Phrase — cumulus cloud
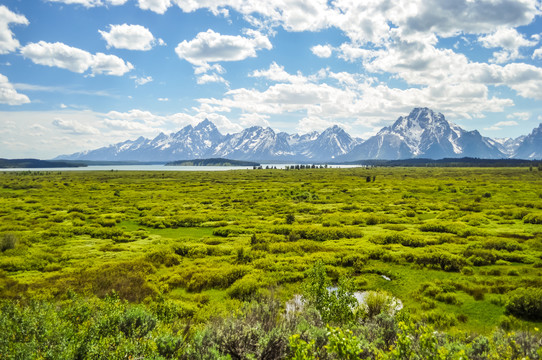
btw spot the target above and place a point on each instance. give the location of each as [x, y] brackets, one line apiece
[359, 100]
[74, 59]
[7, 41]
[8, 94]
[248, 120]
[537, 54]
[278, 74]
[211, 78]
[109, 65]
[506, 38]
[372, 21]
[206, 68]
[75, 127]
[323, 51]
[510, 40]
[130, 37]
[158, 6]
[137, 115]
[211, 46]
[142, 80]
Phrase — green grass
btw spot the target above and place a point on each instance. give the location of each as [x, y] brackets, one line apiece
[189, 236]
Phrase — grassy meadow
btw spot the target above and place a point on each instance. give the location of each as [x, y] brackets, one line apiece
[172, 255]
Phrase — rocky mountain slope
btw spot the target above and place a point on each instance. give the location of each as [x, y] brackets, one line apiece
[421, 134]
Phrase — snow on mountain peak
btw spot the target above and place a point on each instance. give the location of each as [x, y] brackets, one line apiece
[422, 133]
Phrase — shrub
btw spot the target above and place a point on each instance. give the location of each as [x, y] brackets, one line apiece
[533, 218]
[164, 257]
[525, 303]
[399, 238]
[244, 288]
[137, 322]
[334, 305]
[446, 261]
[377, 302]
[8, 241]
[447, 298]
[127, 279]
[290, 218]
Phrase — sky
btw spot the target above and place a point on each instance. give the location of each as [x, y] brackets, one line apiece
[80, 74]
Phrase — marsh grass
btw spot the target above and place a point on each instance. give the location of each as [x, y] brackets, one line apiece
[209, 241]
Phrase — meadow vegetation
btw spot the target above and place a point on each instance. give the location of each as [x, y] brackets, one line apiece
[265, 264]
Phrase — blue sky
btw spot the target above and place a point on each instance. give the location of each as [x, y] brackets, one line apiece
[81, 74]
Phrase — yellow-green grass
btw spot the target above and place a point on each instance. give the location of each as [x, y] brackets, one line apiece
[198, 237]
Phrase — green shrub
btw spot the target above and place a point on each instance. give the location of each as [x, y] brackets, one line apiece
[377, 302]
[137, 322]
[400, 238]
[164, 257]
[8, 241]
[244, 288]
[447, 298]
[525, 303]
[334, 305]
[533, 218]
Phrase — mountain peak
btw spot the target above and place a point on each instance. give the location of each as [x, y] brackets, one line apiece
[206, 124]
[421, 133]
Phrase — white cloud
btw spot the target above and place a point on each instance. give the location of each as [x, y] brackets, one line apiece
[206, 68]
[358, 99]
[537, 54]
[506, 38]
[59, 55]
[158, 6]
[137, 115]
[248, 120]
[509, 40]
[142, 80]
[74, 59]
[420, 63]
[372, 21]
[278, 74]
[8, 94]
[211, 46]
[314, 123]
[211, 78]
[75, 127]
[500, 124]
[323, 51]
[91, 3]
[130, 37]
[7, 42]
[109, 65]
[519, 115]
[61, 89]
[163, 99]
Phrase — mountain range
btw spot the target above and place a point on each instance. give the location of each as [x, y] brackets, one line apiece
[422, 134]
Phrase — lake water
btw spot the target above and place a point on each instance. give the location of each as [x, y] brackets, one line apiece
[162, 168]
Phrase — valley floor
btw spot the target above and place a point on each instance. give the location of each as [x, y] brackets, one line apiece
[460, 247]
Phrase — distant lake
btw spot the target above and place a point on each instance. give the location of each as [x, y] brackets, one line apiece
[162, 168]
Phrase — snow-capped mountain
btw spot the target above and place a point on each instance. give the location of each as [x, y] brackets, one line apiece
[531, 146]
[253, 143]
[421, 134]
[332, 142]
[424, 134]
[189, 142]
[508, 146]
